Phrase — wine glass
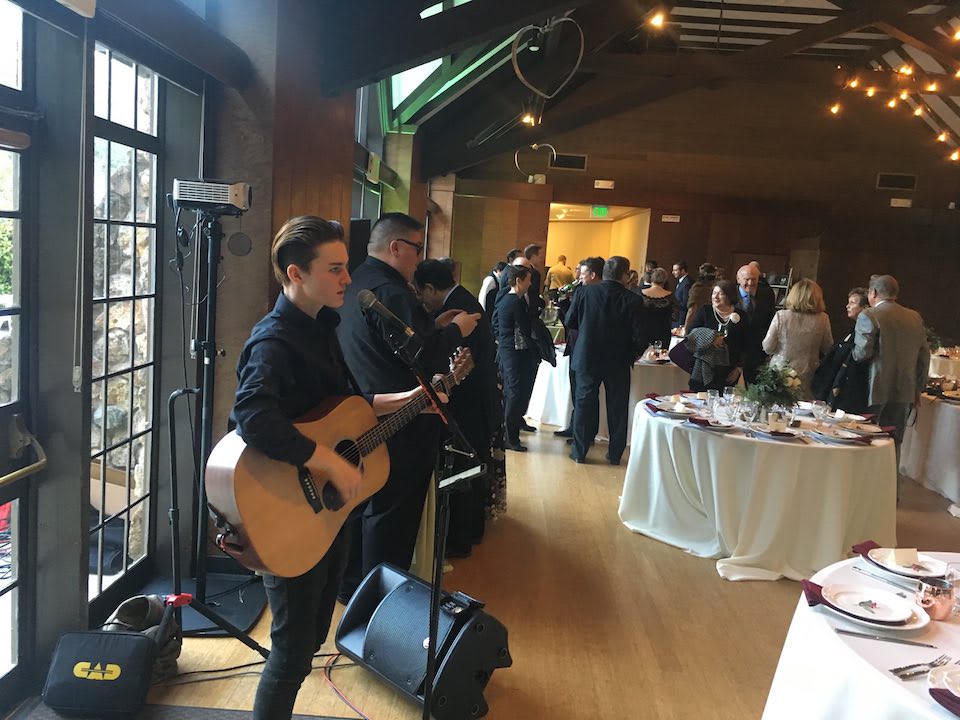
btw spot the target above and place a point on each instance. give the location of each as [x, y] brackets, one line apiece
[820, 411]
[657, 349]
[749, 410]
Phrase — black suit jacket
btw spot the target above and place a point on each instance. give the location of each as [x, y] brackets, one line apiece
[606, 317]
[476, 401]
[758, 319]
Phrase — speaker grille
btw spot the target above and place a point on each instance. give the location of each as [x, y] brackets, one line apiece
[566, 161]
[394, 645]
[896, 181]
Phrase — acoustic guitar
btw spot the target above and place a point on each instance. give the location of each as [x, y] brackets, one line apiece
[278, 518]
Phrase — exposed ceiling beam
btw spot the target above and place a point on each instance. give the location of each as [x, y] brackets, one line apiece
[369, 40]
[947, 12]
[560, 119]
[669, 65]
[922, 36]
[183, 33]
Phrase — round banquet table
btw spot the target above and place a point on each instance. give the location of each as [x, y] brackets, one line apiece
[765, 509]
[930, 453]
[944, 366]
[550, 401]
[838, 677]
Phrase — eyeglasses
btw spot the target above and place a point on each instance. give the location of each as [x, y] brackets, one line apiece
[417, 246]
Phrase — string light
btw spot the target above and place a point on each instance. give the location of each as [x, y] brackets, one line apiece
[904, 94]
[905, 70]
[871, 91]
[932, 87]
[854, 83]
[918, 112]
[955, 155]
[956, 35]
[528, 119]
[657, 20]
[892, 103]
[835, 109]
[942, 137]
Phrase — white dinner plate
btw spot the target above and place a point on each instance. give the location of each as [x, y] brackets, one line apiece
[839, 436]
[714, 426]
[862, 428]
[919, 619]
[945, 677]
[927, 567]
[846, 417]
[804, 407]
[671, 410]
[869, 603]
[768, 434]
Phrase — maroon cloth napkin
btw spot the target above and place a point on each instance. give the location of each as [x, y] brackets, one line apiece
[866, 546]
[699, 421]
[947, 699]
[651, 408]
[651, 396]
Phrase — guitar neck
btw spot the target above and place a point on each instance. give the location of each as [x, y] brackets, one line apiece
[390, 426]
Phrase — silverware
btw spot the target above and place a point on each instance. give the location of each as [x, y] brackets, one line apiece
[884, 638]
[902, 668]
[923, 671]
[905, 585]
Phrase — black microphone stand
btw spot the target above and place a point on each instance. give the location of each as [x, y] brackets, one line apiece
[407, 348]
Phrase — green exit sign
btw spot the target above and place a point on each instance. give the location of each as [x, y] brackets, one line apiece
[600, 211]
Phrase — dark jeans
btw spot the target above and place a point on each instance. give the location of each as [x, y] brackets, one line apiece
[387, 526]
[586, 417]
[301, 608]
[517, 369]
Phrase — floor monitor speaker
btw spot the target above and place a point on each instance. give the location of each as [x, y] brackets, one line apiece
[385, 628]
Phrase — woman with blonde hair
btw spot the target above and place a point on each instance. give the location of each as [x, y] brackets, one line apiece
[800, 333]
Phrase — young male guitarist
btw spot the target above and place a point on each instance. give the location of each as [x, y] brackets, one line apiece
[291, 362]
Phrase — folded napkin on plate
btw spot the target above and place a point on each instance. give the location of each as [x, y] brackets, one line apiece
[651, 408]
[698, 421]
[812, 591]
[866, 546]
[651, 396]
[947, 699]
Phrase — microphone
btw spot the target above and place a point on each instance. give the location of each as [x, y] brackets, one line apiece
[368, 301]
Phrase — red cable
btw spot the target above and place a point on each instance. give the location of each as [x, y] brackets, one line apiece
[327, 670]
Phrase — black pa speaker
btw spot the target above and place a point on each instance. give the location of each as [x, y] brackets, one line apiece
[386, 628]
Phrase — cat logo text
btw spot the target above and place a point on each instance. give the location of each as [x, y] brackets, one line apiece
[86, 671]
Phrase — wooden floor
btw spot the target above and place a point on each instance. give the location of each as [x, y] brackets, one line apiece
[603, 623]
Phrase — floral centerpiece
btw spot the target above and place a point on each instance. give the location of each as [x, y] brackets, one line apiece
[775, 386]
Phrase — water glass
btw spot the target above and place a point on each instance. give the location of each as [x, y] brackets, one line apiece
[820, 411]
[952, 576]
[657, 346]
[713, 396]
[749, 410]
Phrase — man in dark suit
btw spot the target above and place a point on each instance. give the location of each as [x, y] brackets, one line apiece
[893, 340]
[386, 530]
[591, 271]
[606, 316]
[476, 404]
[681, 293]
[759, 309]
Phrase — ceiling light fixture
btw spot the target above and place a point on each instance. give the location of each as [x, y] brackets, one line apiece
[657, 20]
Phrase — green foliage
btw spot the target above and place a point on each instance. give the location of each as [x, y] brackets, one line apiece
[6, 257]
[775, 386]
[933, 340]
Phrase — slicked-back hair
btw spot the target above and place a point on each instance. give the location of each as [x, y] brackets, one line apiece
[682, 264]
[885, 286]
[390, 227]
[594, 265]
[515, 273]
[531, 251]
[615, 268]
[433, 272]
[297, 241]
[512, 255]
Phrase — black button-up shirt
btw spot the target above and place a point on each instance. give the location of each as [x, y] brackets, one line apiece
[289, 365]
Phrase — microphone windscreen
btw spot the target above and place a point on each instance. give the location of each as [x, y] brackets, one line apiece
[367, 299]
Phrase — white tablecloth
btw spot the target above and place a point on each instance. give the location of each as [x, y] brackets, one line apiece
[825, 676]
[931, 449]
[766, 509]
[550, 402]
[944, 366]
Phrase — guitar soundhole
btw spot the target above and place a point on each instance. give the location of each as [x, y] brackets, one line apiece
[348, 450]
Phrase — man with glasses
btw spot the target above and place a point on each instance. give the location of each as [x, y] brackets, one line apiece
[386, 529]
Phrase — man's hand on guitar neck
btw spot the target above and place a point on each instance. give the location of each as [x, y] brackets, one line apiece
[387, 403]
[344, 475]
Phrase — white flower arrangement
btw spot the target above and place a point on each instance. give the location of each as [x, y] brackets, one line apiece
[775, 386]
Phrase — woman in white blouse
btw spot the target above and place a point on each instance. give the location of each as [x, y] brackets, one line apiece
[800, 334]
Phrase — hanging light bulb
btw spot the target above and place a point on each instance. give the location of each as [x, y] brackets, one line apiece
[835, 109]
[892, 103]
[942, 137]
[657, 20]
[918, 112]
[905, 70]
[955, 155]
[932, 87]
[855, 83]
[871, 91]
[904, 94]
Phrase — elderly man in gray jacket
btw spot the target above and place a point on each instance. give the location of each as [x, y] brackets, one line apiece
[892, 338]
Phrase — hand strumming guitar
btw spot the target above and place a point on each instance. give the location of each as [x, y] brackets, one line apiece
[344, 475]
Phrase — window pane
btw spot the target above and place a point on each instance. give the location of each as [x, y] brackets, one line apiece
[97, 411]
[101, 82]
[146, 186]
[146, 100]
[118, 335]
[140, 471]
[144, 279]
[118, 411]
[120, 253]
[139, 522]
[99, 261]
[143, 331]
[8, 546]
[9, 179]
[100, 178]
[121, 182]
[142, 398]
[11, 45]
[9, 358]
[9, 262]
[123, 85]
